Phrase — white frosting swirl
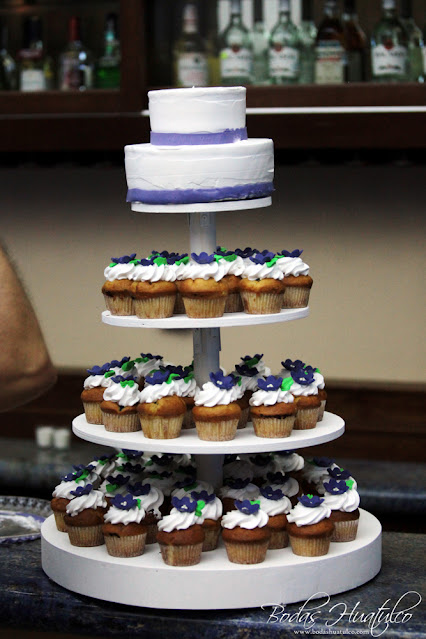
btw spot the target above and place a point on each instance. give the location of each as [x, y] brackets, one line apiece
[304, 516]
[96, 381]
[152, 501]
[153, 392]
[119, 272]
[210, 395]
[178, 521]
[234, 267]
[212, 510]
[315, 474]
[289, 463]
[298, 390]
[154, 273]
[274, 507]
[120, 516]
[95, 499]
[271, 397]
[123, 395]
[292, 266]
[251, 491]
[215, 270]
[187, 389]
[197, 486]
[290, 487]
[236, 518]
[102, 468]
[63, 490]
[255, 272]
[346, 502]
[164, 484]
[144, 368]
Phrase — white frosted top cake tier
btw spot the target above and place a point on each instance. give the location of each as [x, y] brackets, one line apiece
[197, 110]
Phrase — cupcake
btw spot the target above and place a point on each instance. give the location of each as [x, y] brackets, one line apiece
[288, 485]
[237, 489]
[120, 404]
[179, 266]
[64, 492]
[102, 465]
[180, 534]
[288, 461]
[117, 287]
[272, 408]
[343, 499]
[93, 392]
[338, 474]
[322, 393]
[202, 286]
[261, 285]
[309, 527]
[276, 505]
[151, 500]
[305, 392]
[234, 266]
[114, 484]
[123, 530]
[245, 533]
[216, 411]
[146, 364]
[297, 281]
[262, 464]
[161, 410]
[315, 471]
[212, 516]
[84, 517]
[165, 482]
[236, 468]
[187, 389]
[124, 367]
[153, 289]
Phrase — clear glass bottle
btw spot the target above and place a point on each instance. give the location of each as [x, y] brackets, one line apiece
[35, 68]
[76, 62]
[260, 42]
[8, 69]
[415, 43]
[355, 43]
[235, 50]
[307, 36]
[190, 53]
[108, 66]
[284, 48]
[389, 47]
[330, 55]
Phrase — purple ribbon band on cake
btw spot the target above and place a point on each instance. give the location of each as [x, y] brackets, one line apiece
[187, 139]
[201, 196]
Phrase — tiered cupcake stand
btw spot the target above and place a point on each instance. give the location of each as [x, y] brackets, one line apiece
[215, 583]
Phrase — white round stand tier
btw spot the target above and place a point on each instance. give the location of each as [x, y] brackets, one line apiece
[227, 320]
[207, 207]
[245, 441]
[214, 583]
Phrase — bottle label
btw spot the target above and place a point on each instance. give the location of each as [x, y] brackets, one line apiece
[192, 70]
[236, 62]
[329, 63]
[389, 60]
[284, 62]
[75, 75]
[32, 80]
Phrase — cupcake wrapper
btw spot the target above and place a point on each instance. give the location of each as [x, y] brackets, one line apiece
[273, 427]
[161, 427]
[261, 303]
[306, 418]
[246, 553]
[242, 423]
[126, 423]
[211, 539]
[93, 412]
[313, 547]
[131, 546]
[345, 530]
[119, 305]
[155, 307]
[181, 555]
[179, 308]
[295, 296]
[60, 523]
[151, 535]
[234, 303]
[321, 410]
[222, 431]
[199, 308]
[279, 539]
[188, 420]
[85, 536]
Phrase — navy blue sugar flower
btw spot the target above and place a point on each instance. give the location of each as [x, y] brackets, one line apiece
[295, 253]
[310, 501]
[162, 460]
[252, 360]
[187, 483]
[146, 261]
[148, 356]
[338, 473]
[246, 371]
[222, 381]
[115, 363]
[99, 370]
[269, 493]
[157, 377]
[223, 252]
[261, 259]
[164, 475]
[132, 454]
[302, 376]
[271, 383]
[118, 480]
[139, 489]
[289, 365]
[203, 495]
[102, 458]
[247, 507]
[124, 259]
[82, 490]
[336, 487]
[203, 258]
[133, 468]
[175, 370]
[124, 502]
[236, 483]
[260, 460]
[186, 470]
[277, 478]
[247, 252]
[324, 462]
[184, 505]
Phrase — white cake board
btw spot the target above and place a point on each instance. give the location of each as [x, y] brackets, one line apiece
[231, 205]
[227, 320]
[245, 441]
[215, 583]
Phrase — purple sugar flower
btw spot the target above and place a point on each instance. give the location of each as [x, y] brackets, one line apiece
[162, 460]
[261, 259]
[295, 253]
[310, 501]
[133, 468]
[115, 363]
[139, 489]
[236, 483]
[203, 258]
[271, 383]
[246, 371]
[124, 259]
[323, 462]
[269, 493]
[203, 495]
[277, 478]
[124, 502]
[184, 505]
[338, 473]
[99, 370]
[157, 377]
[118, 480]
[302, 376]
[186, 483]
[132, 454]
[82, 490]
[335, 487]
[247, 252]
[289, 365]
[247, 507]
[222, 381]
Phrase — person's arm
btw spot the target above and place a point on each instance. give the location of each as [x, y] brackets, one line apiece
[26, 370]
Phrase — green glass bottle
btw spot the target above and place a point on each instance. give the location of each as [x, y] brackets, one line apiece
[415, 43]
[108, 67]
[284, 48]
[236, 50]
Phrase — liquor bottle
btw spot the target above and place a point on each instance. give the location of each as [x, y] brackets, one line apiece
[415, 43]
[330, 56]
[108, 66]
[284, 48]
[355, 44]
[76, 62]
[260, 42]
[8, 71]
[190, 54]
[35, 68]
[307, 36]
[235, 50]
[389, 47]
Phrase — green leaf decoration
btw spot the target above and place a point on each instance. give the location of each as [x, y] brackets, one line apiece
[111, 487]
[287, 383]
[200, 506]
[350, 483]
[109, 374]
[272, 262]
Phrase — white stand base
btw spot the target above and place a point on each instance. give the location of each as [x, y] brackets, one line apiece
[245, 441]
[231, 205]
[215, 583]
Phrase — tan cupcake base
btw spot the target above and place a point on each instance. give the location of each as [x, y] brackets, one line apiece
[155, 307]
[279, 539]
[119, 305]
[310, 547]
[345, 530]
[188, 420]
[179, 308]
[222, 431]
[151, 534]
[181, 555]
[85, 536]
[211, 539]
[261, 303]
[295, 296]
[273, 427]
[116, 423]
[199, 308]
[93, 412]
[161, 427]
[131, 546]
[246, 553]
[59, 521]
[242, 423]
[321, 410]
[306, 418]
[234, 303]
